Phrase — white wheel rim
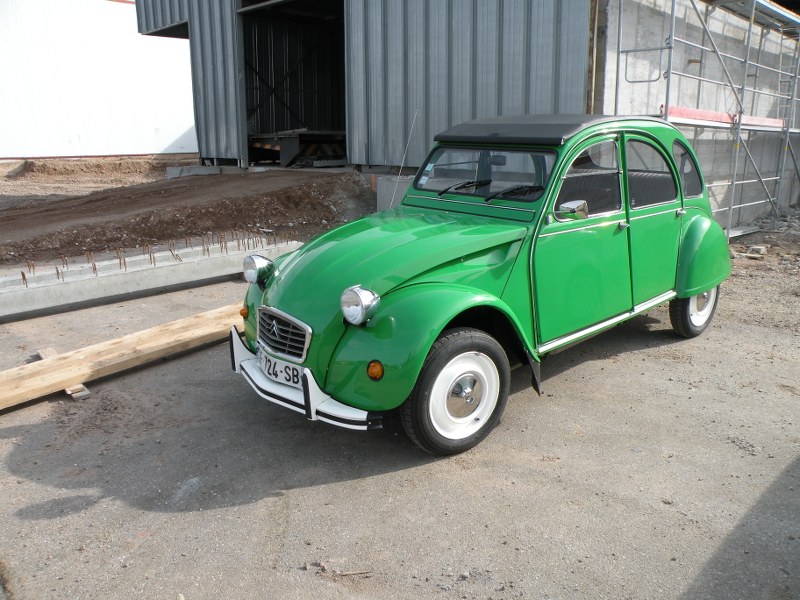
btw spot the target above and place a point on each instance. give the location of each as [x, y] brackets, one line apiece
[701, 306]
[464, 395]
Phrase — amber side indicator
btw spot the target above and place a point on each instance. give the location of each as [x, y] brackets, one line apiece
[244, 312]
[375, 370]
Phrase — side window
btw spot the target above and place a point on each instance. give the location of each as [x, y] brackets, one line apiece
[650, 180]
[690, 176]
[594, 177]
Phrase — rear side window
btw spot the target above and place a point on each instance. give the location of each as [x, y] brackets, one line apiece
[594, 177]
[690, 175]
[650, 180]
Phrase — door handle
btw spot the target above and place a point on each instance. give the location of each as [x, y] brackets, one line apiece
[624, 224]
[680, 212]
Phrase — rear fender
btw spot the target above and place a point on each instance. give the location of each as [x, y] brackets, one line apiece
[704, 260]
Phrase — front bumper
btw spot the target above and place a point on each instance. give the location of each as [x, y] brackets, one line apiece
[315, 404]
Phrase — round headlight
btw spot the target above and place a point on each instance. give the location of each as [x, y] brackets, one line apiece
[358, 304]
[256, 268]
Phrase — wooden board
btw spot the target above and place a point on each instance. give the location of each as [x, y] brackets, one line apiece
[70, 369]
[77, 392]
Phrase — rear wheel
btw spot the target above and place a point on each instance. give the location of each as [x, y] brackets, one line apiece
[691, 316]
[460, 394]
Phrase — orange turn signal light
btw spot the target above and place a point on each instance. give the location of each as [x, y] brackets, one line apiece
[375, 370]
[245, 312]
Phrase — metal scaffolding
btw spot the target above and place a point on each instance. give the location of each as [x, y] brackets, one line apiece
[759, 87]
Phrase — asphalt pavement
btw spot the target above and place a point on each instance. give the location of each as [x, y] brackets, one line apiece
[652, 467]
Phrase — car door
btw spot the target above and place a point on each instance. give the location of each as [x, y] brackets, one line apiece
[655, 216]
[581, 266]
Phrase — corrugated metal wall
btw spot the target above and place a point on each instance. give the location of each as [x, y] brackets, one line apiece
[444, 61]
[154, 15]
[448, 61]
[217, 78]
[294, 75]
[217, 72]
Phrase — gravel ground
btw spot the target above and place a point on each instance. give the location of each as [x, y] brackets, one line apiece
[652, 467]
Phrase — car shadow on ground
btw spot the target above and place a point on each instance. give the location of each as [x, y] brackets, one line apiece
[640, 333]
[189, 435]
[760, 558]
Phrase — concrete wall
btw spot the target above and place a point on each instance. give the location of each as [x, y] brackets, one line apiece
[79, 80]
[643, 90]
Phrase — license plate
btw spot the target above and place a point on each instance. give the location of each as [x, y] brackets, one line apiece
[281, 371]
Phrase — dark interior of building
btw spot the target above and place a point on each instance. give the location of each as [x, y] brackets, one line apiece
[294, 79]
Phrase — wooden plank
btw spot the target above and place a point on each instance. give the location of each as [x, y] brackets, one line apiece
[78, 392]
[37, 379]
[684, 112]
[701, 115]
[762, 121]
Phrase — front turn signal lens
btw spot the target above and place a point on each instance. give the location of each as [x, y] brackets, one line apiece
[375, 370]
[245, 312]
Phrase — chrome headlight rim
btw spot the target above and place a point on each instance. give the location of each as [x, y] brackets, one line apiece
[358, 304]
[256, 268]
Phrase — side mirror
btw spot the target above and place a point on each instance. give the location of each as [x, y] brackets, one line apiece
[574, 209]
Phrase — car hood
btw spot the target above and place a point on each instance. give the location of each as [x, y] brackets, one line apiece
[379, 252]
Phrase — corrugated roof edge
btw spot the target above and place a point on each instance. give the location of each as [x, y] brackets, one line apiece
[545, 130]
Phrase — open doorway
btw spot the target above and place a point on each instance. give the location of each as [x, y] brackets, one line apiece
[295, 81]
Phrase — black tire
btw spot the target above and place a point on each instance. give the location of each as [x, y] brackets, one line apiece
[444, 415]
[691, 316]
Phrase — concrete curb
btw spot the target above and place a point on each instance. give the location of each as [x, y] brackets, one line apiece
[52, 289]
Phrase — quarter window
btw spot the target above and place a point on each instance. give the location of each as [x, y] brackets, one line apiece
[650, 180]
[690, 175]
[594, 177]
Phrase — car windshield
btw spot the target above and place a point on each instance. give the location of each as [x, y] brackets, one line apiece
[487, 173]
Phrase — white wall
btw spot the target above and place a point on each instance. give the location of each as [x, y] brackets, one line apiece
[77, 79]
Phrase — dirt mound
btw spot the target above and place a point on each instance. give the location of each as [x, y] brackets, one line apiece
[293, 204]
[114, 166]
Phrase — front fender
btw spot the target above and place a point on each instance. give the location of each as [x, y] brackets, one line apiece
[704, 261]
[400, 335]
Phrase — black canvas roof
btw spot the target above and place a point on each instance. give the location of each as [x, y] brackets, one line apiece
[545, 130]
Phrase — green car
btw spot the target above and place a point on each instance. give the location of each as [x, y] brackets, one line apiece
[519, 236]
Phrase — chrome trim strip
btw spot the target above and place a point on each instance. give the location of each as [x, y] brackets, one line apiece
[591, 226]
[654, 302]
[662, 212]
[573, 337]
[291, 319]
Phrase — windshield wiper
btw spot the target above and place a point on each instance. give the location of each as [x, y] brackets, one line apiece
[528, 188]
[476, 183]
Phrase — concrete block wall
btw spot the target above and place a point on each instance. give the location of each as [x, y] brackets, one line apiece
[643, 88]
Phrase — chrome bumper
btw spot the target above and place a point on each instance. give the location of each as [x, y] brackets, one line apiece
[311, 401]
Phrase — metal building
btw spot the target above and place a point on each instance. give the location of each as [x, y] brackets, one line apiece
[272, 78]
[370, 82]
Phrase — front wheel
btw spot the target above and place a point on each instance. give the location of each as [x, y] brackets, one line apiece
[460, 394]
[690, 316]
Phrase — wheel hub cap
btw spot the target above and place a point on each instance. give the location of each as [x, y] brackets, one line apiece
[464, 397]
[702, 300]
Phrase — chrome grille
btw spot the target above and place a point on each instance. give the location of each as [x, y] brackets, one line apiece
[283, 335]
